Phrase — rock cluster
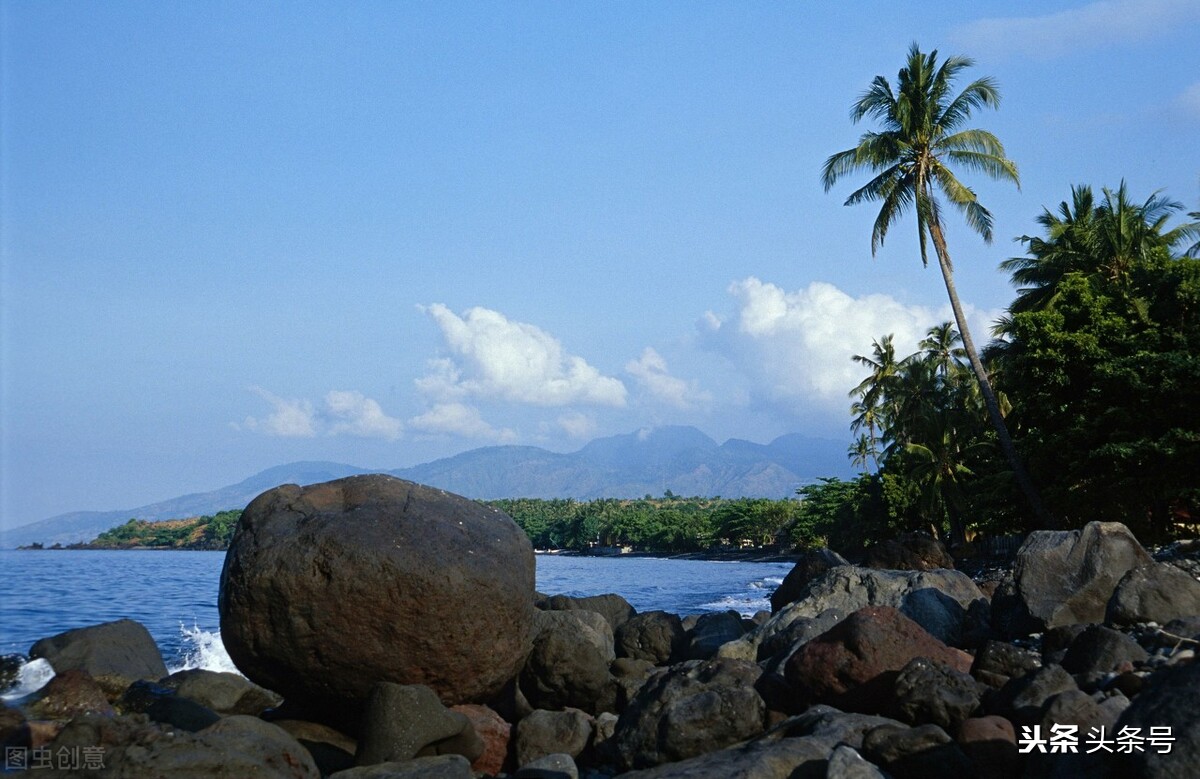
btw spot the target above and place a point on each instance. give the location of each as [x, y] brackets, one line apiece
[858, 672]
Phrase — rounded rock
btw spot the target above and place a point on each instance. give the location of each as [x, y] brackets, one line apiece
[331, 588]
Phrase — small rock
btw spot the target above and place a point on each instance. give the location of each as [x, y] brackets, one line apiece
[68, 694]
[1099, 649]
[928, 692]
[655, 636]
[555, 766]
[846, 763]
[924, 752]
[122, 648]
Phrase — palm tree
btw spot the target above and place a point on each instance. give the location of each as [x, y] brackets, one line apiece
[873, 392]
[909, 158]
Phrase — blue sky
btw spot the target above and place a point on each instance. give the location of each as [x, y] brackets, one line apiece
[234, 235]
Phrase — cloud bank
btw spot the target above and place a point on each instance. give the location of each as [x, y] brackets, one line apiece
[342, 412]
[795, 348]
[1092, 26]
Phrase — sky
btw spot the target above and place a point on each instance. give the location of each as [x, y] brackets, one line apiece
[236, 235]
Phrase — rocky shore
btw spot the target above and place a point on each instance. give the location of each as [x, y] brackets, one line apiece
[390, 630]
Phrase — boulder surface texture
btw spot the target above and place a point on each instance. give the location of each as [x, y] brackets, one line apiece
[331, 588]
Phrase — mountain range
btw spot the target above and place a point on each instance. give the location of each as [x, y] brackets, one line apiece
[648, 462]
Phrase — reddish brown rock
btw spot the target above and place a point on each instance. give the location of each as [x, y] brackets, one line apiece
[495, 734]
[853, 666]
[991, 744]
[68, 694]
[332, 588]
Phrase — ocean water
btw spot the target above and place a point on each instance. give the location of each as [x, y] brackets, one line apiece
[174, 594]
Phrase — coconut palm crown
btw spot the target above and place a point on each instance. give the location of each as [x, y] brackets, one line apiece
[921, 135]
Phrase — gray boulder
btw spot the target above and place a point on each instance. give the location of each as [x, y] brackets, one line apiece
[223, 692]
[406, 721]
[811, 564]
[431, 767]
[846, 763]
[712, 631]
[614, 608]
[1021, 700]
[946, 603]
[569, 664]
[1157, 592]
[929, 692]
[1065, 577]
[1170, 703]
[122, 648]
[1099, 650]
[556, 766]
[692, 708]
[552, 732]
[384, 580]
[236, 746]
[924, 752]
[786, 758]
[656, 636]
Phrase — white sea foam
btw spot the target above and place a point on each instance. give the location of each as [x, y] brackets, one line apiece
[746, 605]
[203, 649]
[31, 677]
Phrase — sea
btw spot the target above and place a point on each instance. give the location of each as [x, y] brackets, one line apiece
[174, 594]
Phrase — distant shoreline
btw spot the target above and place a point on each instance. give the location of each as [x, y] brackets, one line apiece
[739, 556]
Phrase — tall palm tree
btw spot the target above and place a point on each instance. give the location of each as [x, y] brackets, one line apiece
[909, 158]
[873, 392]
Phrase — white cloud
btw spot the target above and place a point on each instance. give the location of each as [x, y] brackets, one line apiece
[289, 417]
[494, 357]
[1189, 101]
[796, 347]
[577, 425]
[351, 412]
[343, 412]
[1095, 25]
[461, 420]
[651, 372]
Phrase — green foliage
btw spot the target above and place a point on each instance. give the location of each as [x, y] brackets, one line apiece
[208, 532]
[667, 524]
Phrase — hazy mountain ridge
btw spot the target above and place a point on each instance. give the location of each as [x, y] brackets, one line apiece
[681, 459]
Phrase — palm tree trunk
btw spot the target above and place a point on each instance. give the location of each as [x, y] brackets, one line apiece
[1024, 483]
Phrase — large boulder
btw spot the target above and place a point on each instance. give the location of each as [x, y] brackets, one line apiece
[854, 665]
[909, 552]
[123, 648]
[945, 603]
[569, 664]
[1065, 577]
[614, 608]
[234, 746]
[1157, 592]
[692, 708]
[331, 588]
[1169, 707]
[811, 564]
[656, 636]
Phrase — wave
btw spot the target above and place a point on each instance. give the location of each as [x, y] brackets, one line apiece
[203, 649]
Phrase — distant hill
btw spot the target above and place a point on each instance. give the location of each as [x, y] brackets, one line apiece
[681, 459]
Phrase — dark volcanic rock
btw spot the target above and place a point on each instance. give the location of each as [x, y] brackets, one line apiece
[787, 758]
[909, 552]
[1021, 700]
[925, 752]
[406, 721]
[10, 668]
[569, 664]
[615, 609]
[1157, 592]
[996, 662]
[854, 665]
[1171, 702]
[692, 708]
[811, 564]
[162, 704]
[122, 648]
[1067, 577]
[552, 732]
[929, 692]
[223, 692]
[69, 693]
[1098, 650]
[655, 636]
[713, 631]
[331, 588]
